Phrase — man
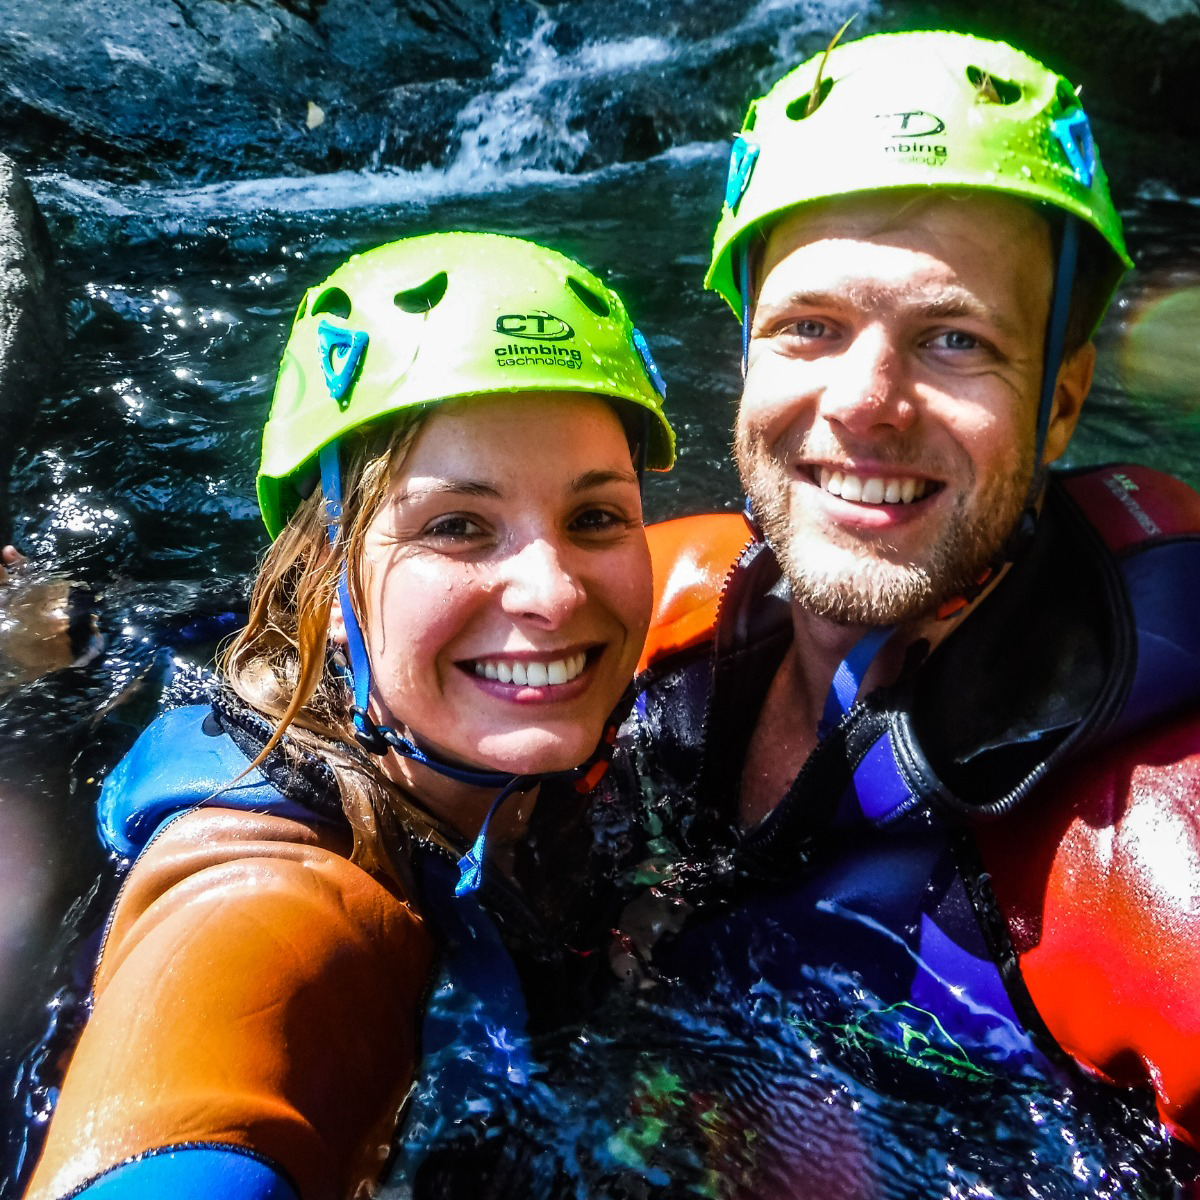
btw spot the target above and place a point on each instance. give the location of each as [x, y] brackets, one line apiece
[929, 780]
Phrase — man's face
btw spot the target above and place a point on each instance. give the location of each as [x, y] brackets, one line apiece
[886, 431]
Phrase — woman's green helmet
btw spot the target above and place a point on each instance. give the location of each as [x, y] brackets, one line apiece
[903, 110]
[440, 317]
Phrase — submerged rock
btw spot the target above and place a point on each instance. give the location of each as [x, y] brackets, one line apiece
[31, 325]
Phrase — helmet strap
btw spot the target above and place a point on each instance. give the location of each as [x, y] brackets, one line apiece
[356, 646]
[1021, 535]
[1056, 332]
[380, 739]
[643, 448]
[742, 259]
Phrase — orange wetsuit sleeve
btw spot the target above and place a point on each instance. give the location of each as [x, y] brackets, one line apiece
[1099, 878]
[255, 989]
[692, 558]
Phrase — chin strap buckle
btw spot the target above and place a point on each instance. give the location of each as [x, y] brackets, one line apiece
[368, 735]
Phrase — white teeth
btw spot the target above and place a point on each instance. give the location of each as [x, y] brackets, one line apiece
[872, 491]
[875, 490]
[851, 487]
[532, 674]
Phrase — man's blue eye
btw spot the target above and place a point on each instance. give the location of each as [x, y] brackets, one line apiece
[809, 329]
[956, 339]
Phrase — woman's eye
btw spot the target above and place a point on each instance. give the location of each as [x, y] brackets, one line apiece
[456, 527]
[597, 520]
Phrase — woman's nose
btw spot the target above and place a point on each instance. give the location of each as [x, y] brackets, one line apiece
[540, 585]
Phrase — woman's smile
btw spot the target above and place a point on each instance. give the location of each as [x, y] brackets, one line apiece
[505, 610]
[533, 672]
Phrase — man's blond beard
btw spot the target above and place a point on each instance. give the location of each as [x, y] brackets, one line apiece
[855, 589]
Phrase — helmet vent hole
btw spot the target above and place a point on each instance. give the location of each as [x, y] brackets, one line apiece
[991, 89]
[590, 298]
[1066, 96]
[333, 301]
[806, 105]
[428, 295]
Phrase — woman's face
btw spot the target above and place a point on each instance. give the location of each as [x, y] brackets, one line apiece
[506, 582]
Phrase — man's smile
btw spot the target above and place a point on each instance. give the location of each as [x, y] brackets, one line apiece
[862, 488]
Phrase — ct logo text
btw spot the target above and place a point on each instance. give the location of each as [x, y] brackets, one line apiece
[541, 325]
[915, 124]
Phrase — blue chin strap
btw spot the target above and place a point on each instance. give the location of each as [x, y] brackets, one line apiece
[1056, 330]
[743, 270]
[379, 739]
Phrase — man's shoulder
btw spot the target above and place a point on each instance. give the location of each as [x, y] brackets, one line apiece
[692, 559]
[1132, 505]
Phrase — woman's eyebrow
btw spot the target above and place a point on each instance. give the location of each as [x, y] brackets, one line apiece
[592, 479]
[447, 487]
[475, 487]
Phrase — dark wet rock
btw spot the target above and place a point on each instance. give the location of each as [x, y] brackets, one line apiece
[213, 88]
[31, 325]
[218, 89]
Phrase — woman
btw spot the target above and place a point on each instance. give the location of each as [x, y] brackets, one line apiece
[440, 635]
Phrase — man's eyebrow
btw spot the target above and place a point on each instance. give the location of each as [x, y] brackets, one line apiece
[805, 300]
[935, 304]
[593, 479]
[954, 303]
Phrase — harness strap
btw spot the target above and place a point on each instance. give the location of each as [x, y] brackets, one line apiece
[848, 677]
[877, 785]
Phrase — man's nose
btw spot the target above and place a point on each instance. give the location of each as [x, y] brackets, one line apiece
[540, 584]
[867, 387]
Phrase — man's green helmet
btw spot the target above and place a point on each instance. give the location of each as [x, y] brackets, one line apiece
[903, 110]
[440, 317]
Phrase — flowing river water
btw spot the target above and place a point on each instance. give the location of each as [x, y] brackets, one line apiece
[137, 481]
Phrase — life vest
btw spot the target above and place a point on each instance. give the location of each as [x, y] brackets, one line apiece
[509, 961]
[934, 845]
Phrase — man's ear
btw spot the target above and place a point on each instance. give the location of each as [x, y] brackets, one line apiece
[337, 623]
[1074, 382]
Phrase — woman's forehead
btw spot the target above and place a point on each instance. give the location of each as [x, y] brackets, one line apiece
[523, 436]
